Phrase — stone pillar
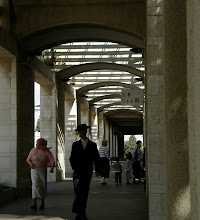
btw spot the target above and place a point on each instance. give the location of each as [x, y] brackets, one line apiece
[70, 126]
[60, 174]
[78, 109]
[8, 119]
[111, 140]
[25, 123]
[106, 130]
[84, 114]
[193, 66]
[116, 146]
[178, 203]
[48, 120]
[94, 125]
[120, 143]
[90, 121]
[154, 111]
[100, 129]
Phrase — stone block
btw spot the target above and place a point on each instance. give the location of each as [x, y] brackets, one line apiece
[163, 204]
[13, 114]
[5, 116]
[4, 98]
[154, 3]
[156, 158]
[154, 115]
[14, 130]
[5, 164]
[155, 10]
[5, 130]
[155, 82]
[13, 83]
[154, 41]
[153, 56]
[4, 146]
[13, 164]
[157, 188]
[13, 99]
[47, 124]
[47, 113]
[156, 129]
[154, 204]
[160, 26]
[13, 146]
[154, 173]
[5, 83]
[152, 26]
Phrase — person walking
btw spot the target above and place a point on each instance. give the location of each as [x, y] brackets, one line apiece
[83, 155]
[104, 162]
[137, 160]
[39, 159]
[118, 171]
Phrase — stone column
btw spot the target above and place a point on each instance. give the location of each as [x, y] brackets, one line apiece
[154, 111]
[78, 109]
[111, 140]
[25, 123]
[178, 205]
[48, 120]
[84, 114]
[90, 121]
[120, 143]
[60, 131]
[193, 66]
[94, 125]
[8, 119]
[100, 129]
[106, 130]
[116, 145]
[70, 126]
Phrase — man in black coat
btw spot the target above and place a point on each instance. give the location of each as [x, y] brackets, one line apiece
[83, 155]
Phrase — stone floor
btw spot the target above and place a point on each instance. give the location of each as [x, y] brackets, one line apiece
[105, 202]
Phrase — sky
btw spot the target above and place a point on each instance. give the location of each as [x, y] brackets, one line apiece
[37, 102]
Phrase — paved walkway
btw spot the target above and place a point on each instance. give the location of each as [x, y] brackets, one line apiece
[105, 202]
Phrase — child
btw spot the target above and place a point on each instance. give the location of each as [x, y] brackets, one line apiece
[118, 171]
[129, 174]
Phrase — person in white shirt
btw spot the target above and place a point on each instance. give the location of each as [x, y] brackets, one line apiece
[104, 162]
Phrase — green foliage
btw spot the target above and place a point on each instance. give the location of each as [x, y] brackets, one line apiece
[129, 145]
[38, 125]
[4, 185]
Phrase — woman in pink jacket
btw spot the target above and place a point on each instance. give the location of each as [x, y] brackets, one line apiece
[39, 159]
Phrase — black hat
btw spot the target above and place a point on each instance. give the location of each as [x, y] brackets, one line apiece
[82, 127]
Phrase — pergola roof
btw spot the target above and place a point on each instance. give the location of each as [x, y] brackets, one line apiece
[104, 62]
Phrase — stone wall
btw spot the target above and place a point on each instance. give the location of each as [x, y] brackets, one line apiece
[8, 119]
[154, 110]
[193, 67]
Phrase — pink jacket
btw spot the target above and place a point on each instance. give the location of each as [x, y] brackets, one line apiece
[41, 158]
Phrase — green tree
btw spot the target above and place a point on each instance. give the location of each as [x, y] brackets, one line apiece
[129, 145]
[38, 125]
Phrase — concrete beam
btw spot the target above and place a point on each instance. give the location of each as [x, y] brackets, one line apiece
[68, 33]
[103, 84]
[66, 73]
[104, 97]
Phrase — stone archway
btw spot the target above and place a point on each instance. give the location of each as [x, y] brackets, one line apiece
[66, 73]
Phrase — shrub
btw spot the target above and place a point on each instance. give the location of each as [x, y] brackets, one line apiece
[4, 185]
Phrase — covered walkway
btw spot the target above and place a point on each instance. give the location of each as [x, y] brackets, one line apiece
[109, 202]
